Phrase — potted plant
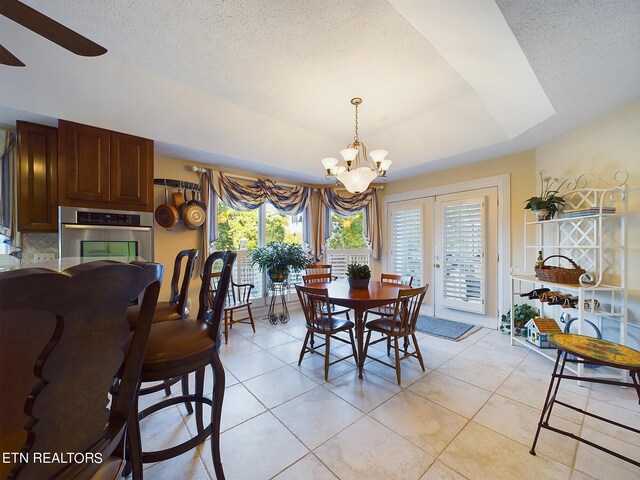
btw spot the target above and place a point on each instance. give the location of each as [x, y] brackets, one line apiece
[278, 259]
[522, 314]
[358, 275]
[549, 202]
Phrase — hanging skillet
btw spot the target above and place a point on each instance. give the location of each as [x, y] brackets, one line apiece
[193, 214]
[166, 214]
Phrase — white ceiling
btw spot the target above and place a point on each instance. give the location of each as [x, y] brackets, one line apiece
[264, 86]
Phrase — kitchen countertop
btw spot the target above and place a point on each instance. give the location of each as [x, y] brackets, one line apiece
[67, 262]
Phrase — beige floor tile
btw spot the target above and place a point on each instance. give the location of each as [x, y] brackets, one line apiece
[316, 416]
[491, 357]
[289, 352]
[532, 391]
[365, 394]
[497, 340]
[252, 365]
[482, 454]
[163, 429]
[368, 450]
[440, 471]
[422, 422]
[429, 342]
[434, 358]
[601, 465]
[519, 422]
[615, 395]
[313, 367]
[238, 406]
[617, 414]
[278, 386]
[576, 475]
[410, 370]
[272, 339]
[256, 449]
[237, 347]
[460, 397]
[308, 468]
[188, 465]
[489, 378]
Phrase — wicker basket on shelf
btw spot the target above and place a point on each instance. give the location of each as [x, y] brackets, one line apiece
[554, 274]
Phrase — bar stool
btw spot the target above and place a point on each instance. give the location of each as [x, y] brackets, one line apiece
[595, 351]
[178, 348]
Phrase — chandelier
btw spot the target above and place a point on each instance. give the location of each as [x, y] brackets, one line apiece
[356, 171]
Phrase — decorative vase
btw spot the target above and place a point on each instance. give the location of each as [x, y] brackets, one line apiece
[543, 214]
[277, 275]
[358, 283]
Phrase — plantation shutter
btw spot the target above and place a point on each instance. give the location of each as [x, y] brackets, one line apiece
[463, 254]
[407, 243]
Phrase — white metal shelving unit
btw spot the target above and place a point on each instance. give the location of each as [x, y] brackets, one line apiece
[597, 241]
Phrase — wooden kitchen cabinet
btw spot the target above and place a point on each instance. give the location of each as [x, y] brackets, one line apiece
[103, 169]
[37, 173]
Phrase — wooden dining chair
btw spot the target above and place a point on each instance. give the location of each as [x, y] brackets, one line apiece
[69, 366]
[321, 321]
[387, 310]
[325, 278]
[402, 324]
[314, 268]
[238, 299]
[176, 349]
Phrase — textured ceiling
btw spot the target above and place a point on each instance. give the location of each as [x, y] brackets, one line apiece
[265, 85]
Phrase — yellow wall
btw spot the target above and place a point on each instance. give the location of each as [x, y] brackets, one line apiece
[169, 242]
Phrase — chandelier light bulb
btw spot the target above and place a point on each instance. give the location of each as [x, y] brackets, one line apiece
[378, 156]
[385, 164]
[328, 163]
[349, 154]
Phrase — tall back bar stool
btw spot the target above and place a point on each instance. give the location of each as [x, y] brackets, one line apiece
[176, 349]
[63, 337]
[174, 309]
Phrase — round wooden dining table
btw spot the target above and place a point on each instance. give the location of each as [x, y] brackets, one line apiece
[360, 300]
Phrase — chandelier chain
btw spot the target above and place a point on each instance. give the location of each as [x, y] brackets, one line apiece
[356, 138]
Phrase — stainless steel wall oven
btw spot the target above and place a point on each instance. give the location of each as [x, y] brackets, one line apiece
[86, 232]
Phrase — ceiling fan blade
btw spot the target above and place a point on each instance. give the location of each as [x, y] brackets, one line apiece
[8, 58]
[50, 29]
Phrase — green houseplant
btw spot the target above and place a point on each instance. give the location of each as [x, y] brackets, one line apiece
[549, 202]
[358, 275]
[278, 259]
[522, 314]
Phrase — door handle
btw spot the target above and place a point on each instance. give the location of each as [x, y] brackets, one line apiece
[437, 265]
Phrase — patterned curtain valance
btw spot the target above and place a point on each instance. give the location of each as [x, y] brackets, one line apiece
[289, 200]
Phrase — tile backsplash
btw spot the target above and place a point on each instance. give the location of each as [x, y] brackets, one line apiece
[35, 243]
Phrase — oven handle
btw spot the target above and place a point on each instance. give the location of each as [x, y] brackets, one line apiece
[105, 227]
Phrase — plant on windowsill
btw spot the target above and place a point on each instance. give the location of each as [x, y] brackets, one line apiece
[358, 275]
[549, 202]
[278, 259]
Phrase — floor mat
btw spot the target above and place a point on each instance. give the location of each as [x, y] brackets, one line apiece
[443, 328]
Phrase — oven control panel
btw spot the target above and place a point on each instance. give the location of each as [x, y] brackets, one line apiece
[110, 219]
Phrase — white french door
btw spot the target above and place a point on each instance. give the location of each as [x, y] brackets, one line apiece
[465, 257]
[449, 242]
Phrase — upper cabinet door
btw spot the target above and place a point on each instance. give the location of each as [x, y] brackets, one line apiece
[131, 169]
[38, 193]
[84, 170]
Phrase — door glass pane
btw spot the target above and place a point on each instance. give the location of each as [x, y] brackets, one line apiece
[407, 243]
[463, 254]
